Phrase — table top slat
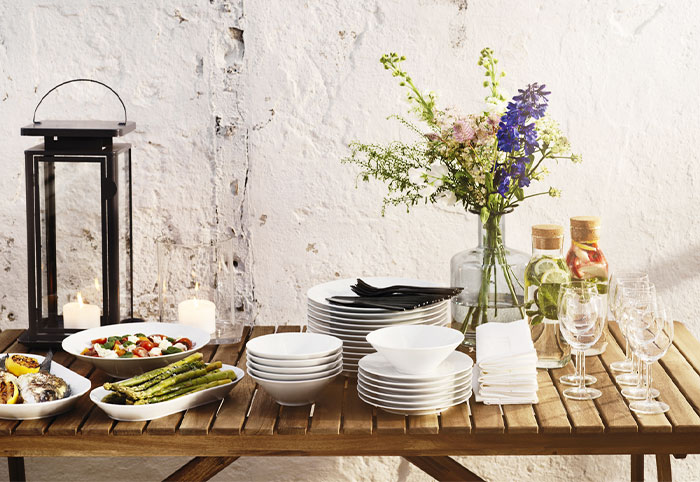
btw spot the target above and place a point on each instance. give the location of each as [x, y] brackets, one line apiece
[683, 375]
[234, 407]
[97, 423]
[69, 422]
[196, 421]
[613, 353]
[129, 428]
[456, 420]
[486, 418]
[520, 418]
[328, 410]
[687, 344]
[611, 404]
[357, 415]
[550, 412]
[390, 423]
[583, 414]
[423, 424]
[294, 420]
[8, 338]
[165, 425]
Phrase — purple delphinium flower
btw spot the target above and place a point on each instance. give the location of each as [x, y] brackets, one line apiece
[501, 179]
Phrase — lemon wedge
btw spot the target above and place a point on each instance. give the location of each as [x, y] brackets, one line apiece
[20, 365]
[9, 393]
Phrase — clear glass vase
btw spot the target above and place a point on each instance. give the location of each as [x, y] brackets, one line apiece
[492, 276]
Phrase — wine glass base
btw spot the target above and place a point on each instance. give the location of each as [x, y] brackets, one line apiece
[582, 393]
[649, 407]
[624, 366]
[636, 393]
[572, 380]
[627, 379]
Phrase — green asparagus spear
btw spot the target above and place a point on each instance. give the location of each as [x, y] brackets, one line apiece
[209, 377]
[168, 374]
[184, 391]
[137, 380]
[174, 380]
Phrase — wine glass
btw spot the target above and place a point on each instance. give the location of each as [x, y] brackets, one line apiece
[625, 292]
[617, 281]
[638, 302]
[650, 336]
[582, 313]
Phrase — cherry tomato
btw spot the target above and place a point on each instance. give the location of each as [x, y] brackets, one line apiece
[99, 341]
[89, 352]
[146, 344]
[140, 352]
[185, 341]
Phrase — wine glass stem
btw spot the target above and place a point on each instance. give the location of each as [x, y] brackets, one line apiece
[640, 373]
[648, 367]
[627, 350]
[581, 366]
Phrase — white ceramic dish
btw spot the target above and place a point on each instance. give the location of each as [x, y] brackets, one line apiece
[312, 362]
[415, 349]
[330, 314]
[380, 394]
[138, 413]
[296, 393]
[353, 329]
[450, 380]
[421, 411]
[410, 393]
[29, 411]
[129, 367]
[293, 377]
[455, 363]
[294, 346]
[295, 370]
[416, 405]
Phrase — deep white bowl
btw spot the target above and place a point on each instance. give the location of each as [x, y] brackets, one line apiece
[311, 362]
[294, 393]
[294, 346]
[285, 377]
[264, 369]
[129, 367]
[415, 349]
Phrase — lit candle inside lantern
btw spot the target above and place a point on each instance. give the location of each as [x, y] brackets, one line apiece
[198, 313]
[81, 315]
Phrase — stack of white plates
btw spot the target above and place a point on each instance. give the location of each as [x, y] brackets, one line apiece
[294, 367]
[381, 385]
[352, 324]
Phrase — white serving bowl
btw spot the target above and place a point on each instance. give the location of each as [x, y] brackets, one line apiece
[294, 346]
[285, 377]
[129, 367]
[311, 362]
[294, 393]
[264, 369]
[415, 349]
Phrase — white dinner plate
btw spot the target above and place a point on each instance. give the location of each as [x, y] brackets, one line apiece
[152, 411]
[409, 393]
[455, 364]
[421, 411]
[349, 328]
[29, 411]
[459, 378]
[418, 404]
[330, 312]
[129, 367]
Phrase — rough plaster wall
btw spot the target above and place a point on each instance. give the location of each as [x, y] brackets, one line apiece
[244, 109]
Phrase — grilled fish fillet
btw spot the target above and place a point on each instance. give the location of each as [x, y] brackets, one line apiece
[42, 387]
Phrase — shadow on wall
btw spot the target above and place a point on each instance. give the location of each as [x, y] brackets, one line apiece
[669, 272]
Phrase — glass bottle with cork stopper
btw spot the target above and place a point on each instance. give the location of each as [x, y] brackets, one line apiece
[544, 274]
[587, 262]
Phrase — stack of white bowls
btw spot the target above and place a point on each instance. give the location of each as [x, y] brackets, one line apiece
[416, 370]
[352, 324]
[293, 368]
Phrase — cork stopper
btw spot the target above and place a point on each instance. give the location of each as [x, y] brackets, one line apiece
[547, 236]
[585, 229]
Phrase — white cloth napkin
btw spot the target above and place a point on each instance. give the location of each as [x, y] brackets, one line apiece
[506, 364]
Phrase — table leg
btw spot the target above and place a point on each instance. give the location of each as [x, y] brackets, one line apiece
[637, 468]
[15, 465]
[200, 469]
[443, 468]
[663, 467]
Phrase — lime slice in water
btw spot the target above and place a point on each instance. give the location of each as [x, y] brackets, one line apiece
[556, 275]
[544, 265]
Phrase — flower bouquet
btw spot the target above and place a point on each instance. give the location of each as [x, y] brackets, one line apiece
[483, 161]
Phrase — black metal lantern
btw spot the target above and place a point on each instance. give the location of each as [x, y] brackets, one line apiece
[79, 225]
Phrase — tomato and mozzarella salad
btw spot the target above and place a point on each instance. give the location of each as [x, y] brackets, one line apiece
[136, 346]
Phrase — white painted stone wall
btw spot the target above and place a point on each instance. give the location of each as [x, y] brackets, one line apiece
[245, 107]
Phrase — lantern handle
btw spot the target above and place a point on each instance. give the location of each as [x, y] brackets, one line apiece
[34, 121]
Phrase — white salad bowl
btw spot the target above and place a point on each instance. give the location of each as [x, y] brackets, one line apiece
[314, 370]
[294, 393]
[312, 362]
[415, 349]
[29, 411]
[294, 346]
[129, 367]
[294, 377]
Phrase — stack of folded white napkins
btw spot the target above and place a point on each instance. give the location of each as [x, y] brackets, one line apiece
[506, 364]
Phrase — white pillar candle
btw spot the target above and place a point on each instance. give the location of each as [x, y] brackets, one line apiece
[198, 313]
[77, 314]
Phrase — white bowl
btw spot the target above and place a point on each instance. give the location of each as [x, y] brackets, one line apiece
[295, 393]
[129, 367]
[293, 377]
[265, 370]
[415, 349]
[294, 346]
[269, 364]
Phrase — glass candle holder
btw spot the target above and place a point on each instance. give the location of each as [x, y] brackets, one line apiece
[196, 287]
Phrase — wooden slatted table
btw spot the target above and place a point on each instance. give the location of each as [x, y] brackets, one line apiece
[249, 423]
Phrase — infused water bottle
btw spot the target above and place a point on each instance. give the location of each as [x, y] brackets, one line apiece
[544, 275]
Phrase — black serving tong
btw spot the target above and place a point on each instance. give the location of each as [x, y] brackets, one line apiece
[362, 288]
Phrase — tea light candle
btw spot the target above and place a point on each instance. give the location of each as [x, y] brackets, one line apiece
[77, 314]
[198, 313]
